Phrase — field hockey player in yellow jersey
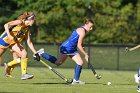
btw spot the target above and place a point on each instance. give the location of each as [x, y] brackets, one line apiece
[15, 32]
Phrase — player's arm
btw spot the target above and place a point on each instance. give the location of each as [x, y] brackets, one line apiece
[81, 33]
[133, 48]
[9, 24]
[31, 46]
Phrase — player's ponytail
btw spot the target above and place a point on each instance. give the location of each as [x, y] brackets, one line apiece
[87, 20]
[26, 16]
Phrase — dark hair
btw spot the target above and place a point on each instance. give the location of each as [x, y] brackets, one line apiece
[26, 16]
[87, 20]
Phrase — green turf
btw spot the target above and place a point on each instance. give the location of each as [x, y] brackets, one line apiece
[46, 81]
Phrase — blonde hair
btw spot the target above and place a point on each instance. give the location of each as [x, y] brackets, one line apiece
[26, 16]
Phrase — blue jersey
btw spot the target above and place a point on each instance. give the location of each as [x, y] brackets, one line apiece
[70, 45]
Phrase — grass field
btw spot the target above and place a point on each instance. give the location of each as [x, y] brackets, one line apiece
[45, 81]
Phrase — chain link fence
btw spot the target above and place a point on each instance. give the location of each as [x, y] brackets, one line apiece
[102, 56]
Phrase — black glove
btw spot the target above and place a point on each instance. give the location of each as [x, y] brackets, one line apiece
[36, 57]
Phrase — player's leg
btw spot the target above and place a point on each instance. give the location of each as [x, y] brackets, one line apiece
[46, 56]
[15, 56]
[58, 61]
[49, 57]
[19, 49]
[2, 50]
[61, 59]
[11, 68]
[78, 68]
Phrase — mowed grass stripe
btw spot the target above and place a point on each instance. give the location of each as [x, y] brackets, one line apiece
[46, 81]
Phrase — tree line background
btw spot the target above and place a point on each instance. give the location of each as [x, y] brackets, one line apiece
[116, 21]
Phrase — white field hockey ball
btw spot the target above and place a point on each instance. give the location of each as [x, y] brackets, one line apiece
[108, 83]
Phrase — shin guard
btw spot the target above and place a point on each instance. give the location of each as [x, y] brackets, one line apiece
[78, 69]
[24, 65]
[48, 57]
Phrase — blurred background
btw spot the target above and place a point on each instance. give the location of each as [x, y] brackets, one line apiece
[117, 25]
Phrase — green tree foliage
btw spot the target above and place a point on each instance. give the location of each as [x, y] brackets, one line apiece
[116, 21]
[6, 12]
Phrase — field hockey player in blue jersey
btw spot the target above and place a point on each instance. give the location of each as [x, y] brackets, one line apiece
[69, 49]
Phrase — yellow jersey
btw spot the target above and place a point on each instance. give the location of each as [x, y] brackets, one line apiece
[19, 32]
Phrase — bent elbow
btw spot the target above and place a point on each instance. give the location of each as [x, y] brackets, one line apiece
[5, 25]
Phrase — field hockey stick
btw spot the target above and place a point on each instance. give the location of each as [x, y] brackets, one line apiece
[92, 68]
[57, 73]
[94, 72]
[131, 49]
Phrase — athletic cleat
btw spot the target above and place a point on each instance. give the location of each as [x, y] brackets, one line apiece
[8, 76]
[138, 89]
[137, 79]
[26, 76]
[98, 76]
[40, 51]
[77, 82]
